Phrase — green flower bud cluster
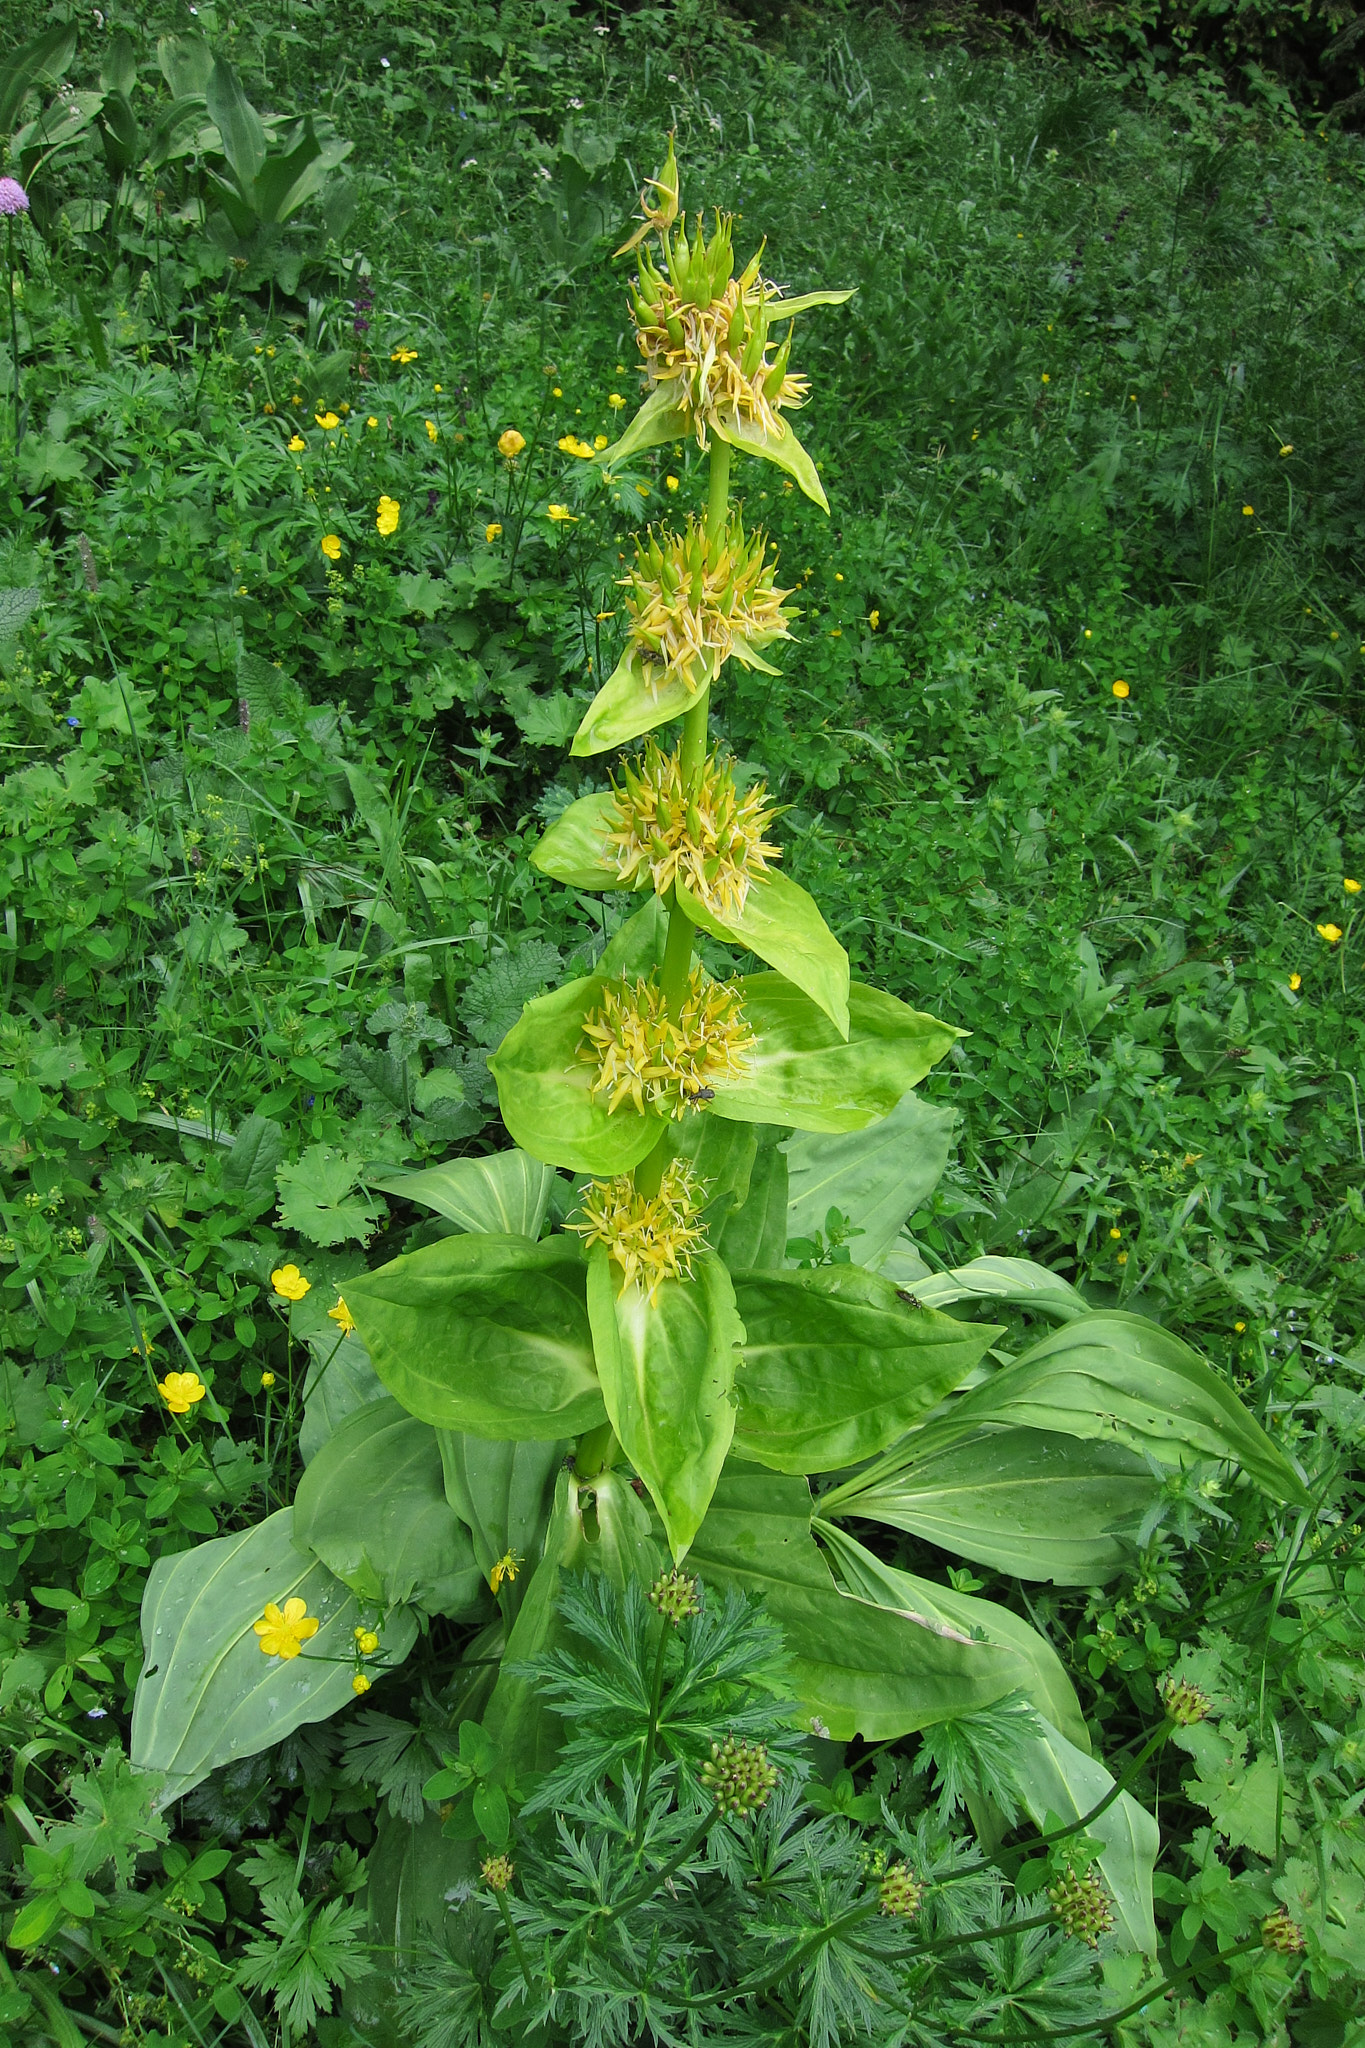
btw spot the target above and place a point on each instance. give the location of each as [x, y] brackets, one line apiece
[1184, 1703]
[738, 1775]
[1283, 1935]
[675, 1596]
[1082, 1906]
[901, 1892]
[497, 1872]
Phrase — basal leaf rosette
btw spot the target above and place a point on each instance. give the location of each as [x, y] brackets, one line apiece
[709, 845]
[712, 354]
[692, 604]
[592, 1074]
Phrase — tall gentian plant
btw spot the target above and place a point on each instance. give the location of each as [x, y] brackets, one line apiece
[656, 1377]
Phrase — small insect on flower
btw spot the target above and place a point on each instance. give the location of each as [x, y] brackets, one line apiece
[1330, 932]
[493, 530]
[180, 1391]
[386, 517]
[342, 1317]
[507, 1568]
[289, 1283]
[1120, 689]
[511, 443]
[283, 1632]
[562, 515]
[331, 546]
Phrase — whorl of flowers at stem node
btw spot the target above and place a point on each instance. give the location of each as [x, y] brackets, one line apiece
[497, 1872]
[654, 1061]
[1082, 1906]
[1184, 1703]
[738, 1775]
[711, 837]
[650, 1237]
[674, 1594]
[1282, 1934]
[901, 1892]
[707, 335]
[691, 601]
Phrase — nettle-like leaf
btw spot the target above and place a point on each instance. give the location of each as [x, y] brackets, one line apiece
[318, 1198]
[497, 993]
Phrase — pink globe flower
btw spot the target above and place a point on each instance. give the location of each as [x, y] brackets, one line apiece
[13, 198]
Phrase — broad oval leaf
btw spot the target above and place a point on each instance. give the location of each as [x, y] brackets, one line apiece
[505, 1192]
[372, 1505]
[340, 1380]
[803, 1073]
[754, 1235]
[485, 1334]
[1117, 1377]
[543, 1089]
[207, 1693]
[1055, 1777]
[503, 1493]
[1027, 1501]
[667, 1370]
[783, 925]
[836, 1367]
[1041, 1674]
[626, 706]
[857, 1668]
[995, 1278]
[877, 1177]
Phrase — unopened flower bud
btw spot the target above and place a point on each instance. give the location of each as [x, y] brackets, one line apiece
[1184, 1703]
[675, 1596]
[1082, 1906]
[901, 1892]
[1283, 1935]
[497, 1872]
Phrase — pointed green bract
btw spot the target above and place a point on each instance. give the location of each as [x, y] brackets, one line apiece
[626, 707]
[995, 1278]
[667, 1370]
[574, 849]
[785, 309]
[836, 1367]
[485, 1334]
[803, 1073]
[507, 1192]
[657, 421]
[754, 1235]
[544, 1089]
[783, 925]
[208, 1694]
[784, 449]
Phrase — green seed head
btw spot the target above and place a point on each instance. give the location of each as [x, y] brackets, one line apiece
[675, 1596]
[1082, 1906]
[1184, 1703]
[739, 1776]
[901, 1892]
[1283, 1935]
[497, 1872]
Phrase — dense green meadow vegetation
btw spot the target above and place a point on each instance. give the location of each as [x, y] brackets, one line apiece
[1068, 743]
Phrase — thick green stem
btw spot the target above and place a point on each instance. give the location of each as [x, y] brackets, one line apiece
[677, 960]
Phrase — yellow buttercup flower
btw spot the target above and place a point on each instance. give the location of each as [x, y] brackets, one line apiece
[615, 401]
[493, 530]
[1296, 981]
[1288, 448]
[511, 443]
[372, 421]
[1240, 1328]
[433, 431]
[331, 546]
[599, 440]
[1352, 888]
[1248, 511]
[650, 1237]
[1116, 1233]
[180, 1391]
[328, 420]
[710, 837]
[297, 444]
[1330, 932]
[671, 482]
[267, 1381]
[874, 619]
[386, 518]
[1120, 688]
[571, 445]
[342, 1316]
[284, 1633]
[562, 515]
[366, 1641]
[403, 355]
[656, 1061]
[289, 1283]
[1122, 1259]
[360, 1683]
[507, 1568]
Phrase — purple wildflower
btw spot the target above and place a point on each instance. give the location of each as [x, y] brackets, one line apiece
[13, 198]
